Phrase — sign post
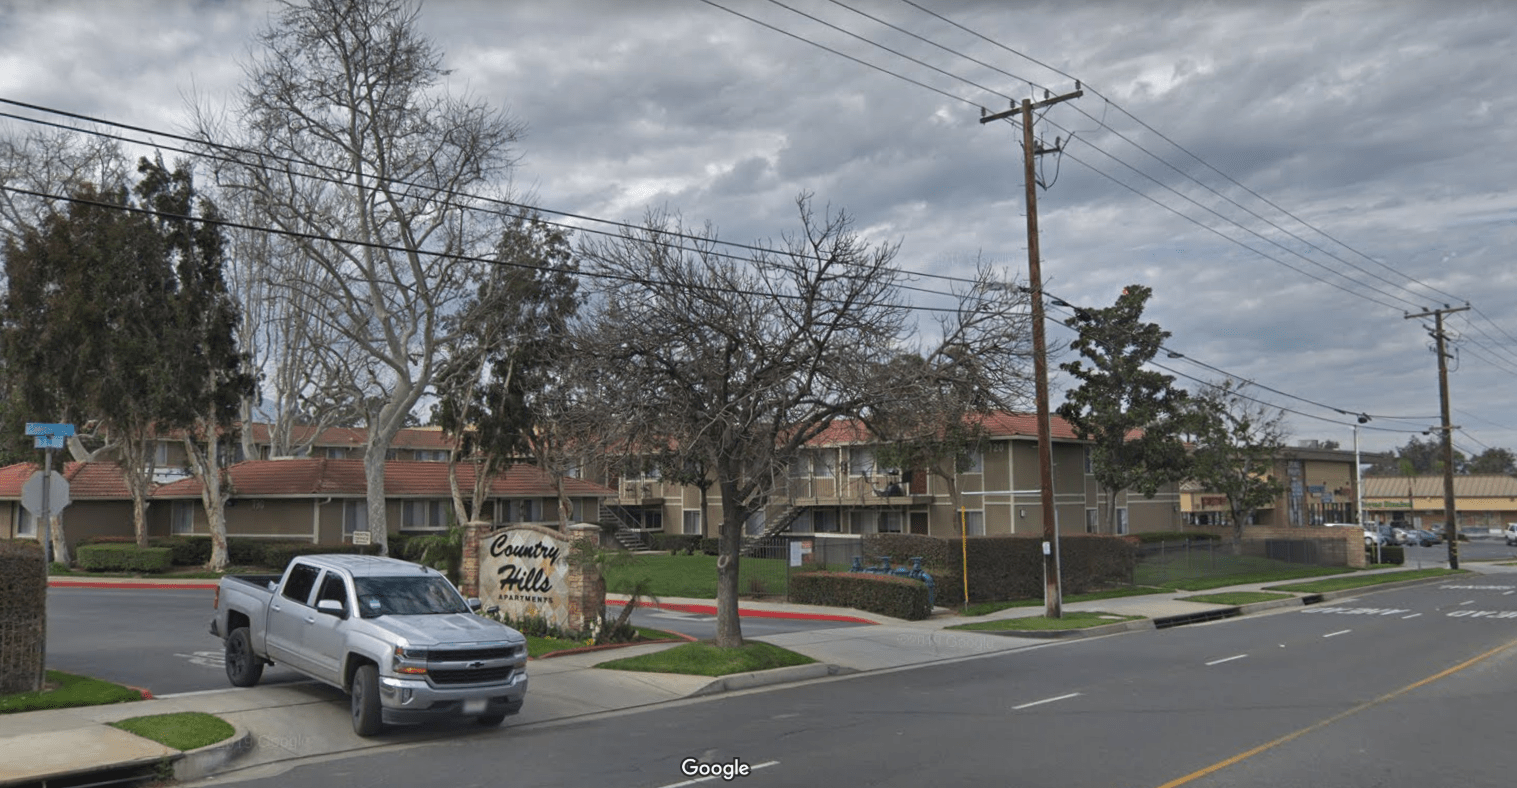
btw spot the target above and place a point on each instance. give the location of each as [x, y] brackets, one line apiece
[48, 437]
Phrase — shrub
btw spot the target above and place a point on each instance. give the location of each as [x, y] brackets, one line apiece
[898, 597]
[277, 555]
[1007, 567]
[1389, 554]
[124, 558]
[675, 543]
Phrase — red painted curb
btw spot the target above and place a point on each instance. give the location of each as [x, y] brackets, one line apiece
[710, 610]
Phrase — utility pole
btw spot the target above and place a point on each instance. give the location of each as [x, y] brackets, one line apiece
[1450, 527]
[1052, 594]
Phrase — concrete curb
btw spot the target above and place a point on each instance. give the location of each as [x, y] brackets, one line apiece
[212, 758]
[765, 678]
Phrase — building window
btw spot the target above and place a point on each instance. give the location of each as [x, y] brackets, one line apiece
[337, 453]
[182, 518]
[825, 521]
[860, 461]
[424, 515]
[824, 463]
[430, 455]
[692, 521]
[755, 524]
[974, 461]
[160, 455]
[1121, 522]
[392, 454]
[524, 510]
[800, 467]
[355, 517]
[1090, 460]
[1092, 517]
[974, 523]
[890, 522]
[862, 522]
[25, 525]
[801, 524]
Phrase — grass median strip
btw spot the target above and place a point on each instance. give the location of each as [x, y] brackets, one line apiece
[986, 608]
[1235, 597]
[705, 659]
[1362, 581]
[185, 730]
[66, 690]
[1070, 620]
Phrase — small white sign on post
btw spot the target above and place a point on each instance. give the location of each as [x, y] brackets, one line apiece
[795, 552]
[361, 537]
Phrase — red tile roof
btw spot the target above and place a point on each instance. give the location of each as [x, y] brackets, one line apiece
[86, 480]
[354, 437]
[1002, 424]
[320, 477]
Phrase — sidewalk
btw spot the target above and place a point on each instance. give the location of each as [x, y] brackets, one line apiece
[278, 724]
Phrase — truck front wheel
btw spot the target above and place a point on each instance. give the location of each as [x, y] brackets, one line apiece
[364, 692]
[243, 667]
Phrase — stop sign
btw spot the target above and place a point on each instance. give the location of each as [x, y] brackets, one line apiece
[57, 493]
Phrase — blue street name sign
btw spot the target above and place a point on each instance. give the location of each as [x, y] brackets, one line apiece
[48, 442]
[59, 430]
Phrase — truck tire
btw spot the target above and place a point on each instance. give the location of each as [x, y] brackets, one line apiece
[243, 667]
[491, 720]
[364, 693]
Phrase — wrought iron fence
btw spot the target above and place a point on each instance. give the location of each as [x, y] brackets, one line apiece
[1162, 562]
[766, 570]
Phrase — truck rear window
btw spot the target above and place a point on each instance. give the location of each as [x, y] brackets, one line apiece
[407, 596]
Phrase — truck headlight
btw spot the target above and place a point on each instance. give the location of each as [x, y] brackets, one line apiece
[411, 661]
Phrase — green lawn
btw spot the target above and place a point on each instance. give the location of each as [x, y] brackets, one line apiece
[986, 608]
[704, 659]
[1200, 571]
[1235, 597]
[538, 645]
[185, 730]
[65, 690]
[694, 576]
[1345, 583]
[1070, 620]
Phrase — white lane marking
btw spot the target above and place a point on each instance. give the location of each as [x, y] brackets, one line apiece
[709, 778]
[1509, 593]
[1047, 700]
[1468, 602]
[1226, 659]
[206, 659]
[1339, 632]
[1414, 615]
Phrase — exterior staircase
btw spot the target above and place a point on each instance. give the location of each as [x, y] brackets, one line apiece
[622, 526]
[772, 528]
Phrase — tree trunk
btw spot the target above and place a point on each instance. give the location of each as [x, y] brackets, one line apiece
[55, 532]
[374, 484]
[729, 630]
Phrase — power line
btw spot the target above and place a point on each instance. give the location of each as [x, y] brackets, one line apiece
[451, 194]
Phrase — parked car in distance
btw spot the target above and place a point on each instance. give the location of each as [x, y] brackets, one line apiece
[1421, 537]
[1511, 534]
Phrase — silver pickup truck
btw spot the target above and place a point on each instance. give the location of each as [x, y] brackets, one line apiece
[396, 636]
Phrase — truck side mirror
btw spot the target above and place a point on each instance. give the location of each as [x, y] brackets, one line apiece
[332, 607]
[475, 604]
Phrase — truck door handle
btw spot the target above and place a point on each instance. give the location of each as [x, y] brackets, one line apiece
[310, 619]
[275, 608]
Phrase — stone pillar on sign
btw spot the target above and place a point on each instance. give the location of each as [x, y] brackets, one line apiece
[587, 589]
[474, 538]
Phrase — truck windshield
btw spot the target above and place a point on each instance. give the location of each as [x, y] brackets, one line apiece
[406, 596]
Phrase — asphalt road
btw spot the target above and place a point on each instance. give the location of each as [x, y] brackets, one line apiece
[1403, 688]
[159, 639]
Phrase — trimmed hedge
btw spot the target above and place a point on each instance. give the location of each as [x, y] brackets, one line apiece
[1389, 554]
[23, 612]
[123, 558]
[898, 597]
[1008, 567]
[1177, 536]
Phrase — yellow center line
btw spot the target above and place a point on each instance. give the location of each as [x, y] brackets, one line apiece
[1243, 756]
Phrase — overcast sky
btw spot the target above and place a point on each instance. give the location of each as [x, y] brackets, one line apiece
[1322, 168]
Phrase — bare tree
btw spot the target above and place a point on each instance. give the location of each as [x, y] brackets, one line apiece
[737, 364]
[932, 410]
[368, 161]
